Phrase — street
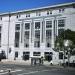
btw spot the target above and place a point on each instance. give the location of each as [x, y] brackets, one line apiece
[13, 69]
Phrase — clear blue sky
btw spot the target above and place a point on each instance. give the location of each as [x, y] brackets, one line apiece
[14, 5]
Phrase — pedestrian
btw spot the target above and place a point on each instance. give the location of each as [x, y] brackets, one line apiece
[9, 73]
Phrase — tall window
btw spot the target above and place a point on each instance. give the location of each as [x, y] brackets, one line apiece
[0, 35]
[26, 55]
[37, 34]
[27, 25]
[0, 18]
[16, 54]
[17, 35]
[37, 25]
[26, 35]
[48, 38]
[61, 23]
[48, 33]
[48, 24]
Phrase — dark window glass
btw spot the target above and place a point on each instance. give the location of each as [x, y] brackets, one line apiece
[0, 28]
[61, 23]
[26, 34]
[48, 24]
[27, 25]
[27, 15]
[36, 53]
[48, 56]
[48, 33]
[17, 27]
[16, 54]
[0, 39]
[37, 34]
[60, 55]
[37, 25]
[0, 18]
[47, 12]
[48, 45]
[50, 12]
[26, 55]
[26, 45]
[17, 39]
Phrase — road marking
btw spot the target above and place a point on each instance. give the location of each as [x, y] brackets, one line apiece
[33, 72]
[29, 72]
[37, 71]
[10, 72]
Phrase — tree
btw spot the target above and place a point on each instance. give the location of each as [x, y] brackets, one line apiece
[67, 34]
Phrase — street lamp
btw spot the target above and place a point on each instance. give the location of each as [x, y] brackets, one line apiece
[67, 44]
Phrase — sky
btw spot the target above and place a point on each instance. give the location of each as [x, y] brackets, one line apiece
[16, 5]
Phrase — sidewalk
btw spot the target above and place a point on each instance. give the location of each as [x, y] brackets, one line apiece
[17, 62]
[22, 62]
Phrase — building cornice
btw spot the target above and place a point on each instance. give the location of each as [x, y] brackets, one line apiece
[39, 9]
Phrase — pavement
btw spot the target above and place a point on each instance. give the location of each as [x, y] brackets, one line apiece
[28, 63]
[20, 68]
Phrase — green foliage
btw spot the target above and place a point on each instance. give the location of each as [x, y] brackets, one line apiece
[67, 34]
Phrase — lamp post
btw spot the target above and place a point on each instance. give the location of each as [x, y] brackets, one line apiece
[67, 44]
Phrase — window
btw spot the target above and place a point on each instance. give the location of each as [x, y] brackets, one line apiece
[61, 10]
[27, 15]
[48, 24]
[73, 5]
[16, 54]
[48, 33]
[0, 39]
[37, 25]
[49, 12]
[26, 45]
[48, 56]
[60, 55]
[37, 34]
[26, 34]
[17, 26]
[18, 16]
[0, 28]
[48, 45]
[26, 39]
[61, 23]
[36, 53]
[27, 26]
[17, 36]
[0, 18]
[26, 55]
[48, 38]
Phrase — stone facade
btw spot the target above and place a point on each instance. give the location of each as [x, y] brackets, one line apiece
[31, 33]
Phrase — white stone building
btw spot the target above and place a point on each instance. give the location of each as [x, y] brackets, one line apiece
[31, 33]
